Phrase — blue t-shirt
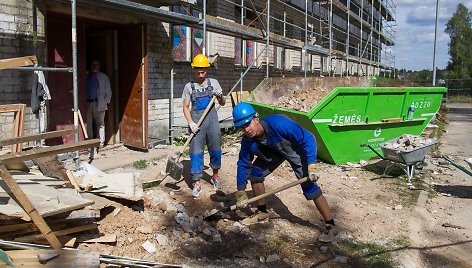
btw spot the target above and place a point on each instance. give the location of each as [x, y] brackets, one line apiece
[92, 86]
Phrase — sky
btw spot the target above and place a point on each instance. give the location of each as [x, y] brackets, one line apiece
[415, 32]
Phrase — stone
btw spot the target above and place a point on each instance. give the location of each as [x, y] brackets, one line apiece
[398, 207]
[185, 236]
[207, 231]
[116, 211]
[163, 240]
[149, 247]
[216, 237]
[323, 249]
[176, 233]
[272, 258]
[341, 259]
[237, 224]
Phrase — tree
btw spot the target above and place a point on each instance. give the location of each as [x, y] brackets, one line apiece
[460, 49]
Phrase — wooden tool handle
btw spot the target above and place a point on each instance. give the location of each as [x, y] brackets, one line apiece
[81, 120]
[199, 123]
[271, 192]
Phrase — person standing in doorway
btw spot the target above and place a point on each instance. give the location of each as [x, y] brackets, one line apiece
[199, 93]
[98, 92]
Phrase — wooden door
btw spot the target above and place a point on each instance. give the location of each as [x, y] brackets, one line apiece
[133, 86]
[60, 114]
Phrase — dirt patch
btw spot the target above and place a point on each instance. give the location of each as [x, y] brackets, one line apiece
[380, 222]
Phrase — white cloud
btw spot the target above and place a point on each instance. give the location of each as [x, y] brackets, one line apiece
[415, 32]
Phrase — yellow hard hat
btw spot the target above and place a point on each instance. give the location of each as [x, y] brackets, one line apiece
[200, 61]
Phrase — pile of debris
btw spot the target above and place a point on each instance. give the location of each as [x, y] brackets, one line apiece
[302, 94]
[42, 203]
[408, 143]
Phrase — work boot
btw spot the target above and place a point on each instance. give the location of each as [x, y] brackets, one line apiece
[329, 234]
[258, 217]
[197, 189]
[217, 182]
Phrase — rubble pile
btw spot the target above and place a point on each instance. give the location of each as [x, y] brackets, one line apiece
[406, 143]
[302, 100]
[302, 94]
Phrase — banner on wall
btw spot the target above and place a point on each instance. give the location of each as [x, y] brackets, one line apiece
[179, 43]
[250, 52]
[197, 42]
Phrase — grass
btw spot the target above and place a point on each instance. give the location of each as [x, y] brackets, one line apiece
[281, 245]
[462, 98]
[180, 141]
[140, 164]
[364, 254]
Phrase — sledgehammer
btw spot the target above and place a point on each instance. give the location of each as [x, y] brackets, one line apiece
[216, 214]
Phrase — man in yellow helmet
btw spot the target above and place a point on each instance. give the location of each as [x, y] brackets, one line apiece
[199, 93]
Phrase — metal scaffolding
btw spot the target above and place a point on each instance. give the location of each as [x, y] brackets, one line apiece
[341, 32]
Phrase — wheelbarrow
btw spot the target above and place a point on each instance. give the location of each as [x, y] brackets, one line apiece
[408, 157]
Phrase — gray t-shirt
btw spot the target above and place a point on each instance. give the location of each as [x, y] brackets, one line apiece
[187, 93]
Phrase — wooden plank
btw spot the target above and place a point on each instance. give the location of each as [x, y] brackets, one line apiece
[21, 127]
[108, 238]
[72, 180]
[47, 200]
[8, 108]
[30, 238]
[36, 137]
[81, 120]
[18, 123]
[28, 207]
[17, 62]
[41, 152]
[235, 97]
[66, 258]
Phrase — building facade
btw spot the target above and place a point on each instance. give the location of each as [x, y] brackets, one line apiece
[146, 47]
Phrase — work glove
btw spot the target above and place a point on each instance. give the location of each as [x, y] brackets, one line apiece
[217, 93]
[312, 173]
[193, 127]
[241, 198]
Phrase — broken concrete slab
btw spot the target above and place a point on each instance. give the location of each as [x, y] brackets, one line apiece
[119, 185]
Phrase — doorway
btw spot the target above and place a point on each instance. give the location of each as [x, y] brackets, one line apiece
[121, 50]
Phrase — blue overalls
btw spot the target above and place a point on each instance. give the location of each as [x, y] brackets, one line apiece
[283, 140]
[209, 132]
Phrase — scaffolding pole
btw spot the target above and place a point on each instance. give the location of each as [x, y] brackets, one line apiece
[75, 79]
[267, 40]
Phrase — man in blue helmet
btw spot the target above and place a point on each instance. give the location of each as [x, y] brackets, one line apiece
[199, 93]
[274, 139]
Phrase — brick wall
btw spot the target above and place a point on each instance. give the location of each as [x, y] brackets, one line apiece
[16, 27]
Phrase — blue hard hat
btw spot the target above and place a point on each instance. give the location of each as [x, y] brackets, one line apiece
[243, 113]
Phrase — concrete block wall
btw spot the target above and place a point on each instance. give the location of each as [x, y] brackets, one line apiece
[16, 40]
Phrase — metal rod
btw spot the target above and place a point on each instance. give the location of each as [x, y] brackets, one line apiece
[348, 35]
[204, 27]
[434, 49]
[267, 36]
[44, 69]
[304, 54]
[75, 78]
[171, 108]
[242, 53]
[245, 72]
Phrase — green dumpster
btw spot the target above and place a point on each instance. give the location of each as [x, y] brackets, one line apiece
[349, 112]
